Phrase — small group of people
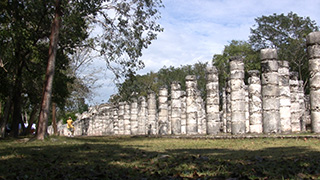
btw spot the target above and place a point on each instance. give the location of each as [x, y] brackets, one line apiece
[70, 127]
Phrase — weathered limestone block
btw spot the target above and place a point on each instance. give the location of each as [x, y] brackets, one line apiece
[302, 106]
[134, 117]
[201, 114]
[270, 91]
[163, 111]
[313, 44]
[85, 119]
[142, 115]
[176, 106]
[223, 116]
[126, 116]
[107, 122]
[152, 114]
[246, 109]
[183, 112]
[307, 111]
[169, 128]
[238, 103]
[192, 119]
[115, 119]
[213, 122]
[255, 102]
[228, 106]
[121, 117]
[295, 104]
[103, 119]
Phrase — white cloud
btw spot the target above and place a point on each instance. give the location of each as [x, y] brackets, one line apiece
[195, 30]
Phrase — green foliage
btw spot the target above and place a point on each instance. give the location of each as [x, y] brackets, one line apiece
[129, 28]
[140, 85]
[159, 158]
[25, 26]
[286, 33]
[235, 48]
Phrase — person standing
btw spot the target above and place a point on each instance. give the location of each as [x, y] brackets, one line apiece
[70, 126]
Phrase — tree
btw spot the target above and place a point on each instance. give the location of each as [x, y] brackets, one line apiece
[140, 85]
[235, 48]
[121, 44]
[129, 27]
[47, 90]
[24, 34]
[286, 33]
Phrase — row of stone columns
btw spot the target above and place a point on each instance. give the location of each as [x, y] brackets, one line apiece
[273, 103]
[140, 117]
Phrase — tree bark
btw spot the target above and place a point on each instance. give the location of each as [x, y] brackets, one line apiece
[16, 117]
[47, 92]
[54, 122]
[5, 116]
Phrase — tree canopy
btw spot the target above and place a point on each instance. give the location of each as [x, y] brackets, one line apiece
[126, 27]
[286, 33]
[140, 85]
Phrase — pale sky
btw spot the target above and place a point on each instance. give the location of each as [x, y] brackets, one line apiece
[195, 30]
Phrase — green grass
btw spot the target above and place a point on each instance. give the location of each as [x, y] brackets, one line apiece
[159, 158]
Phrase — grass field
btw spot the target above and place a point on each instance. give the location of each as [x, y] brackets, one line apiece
[159, 158]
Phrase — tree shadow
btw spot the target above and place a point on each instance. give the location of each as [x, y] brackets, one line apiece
[93, 158]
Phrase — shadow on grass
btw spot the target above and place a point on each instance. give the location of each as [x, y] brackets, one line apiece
[101, 158]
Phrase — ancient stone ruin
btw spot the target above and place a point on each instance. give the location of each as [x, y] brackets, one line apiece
[272, 102]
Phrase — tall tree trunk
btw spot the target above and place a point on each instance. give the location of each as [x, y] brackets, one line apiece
[4, 117]
[54, 122]
[46, 97]
[16, 117]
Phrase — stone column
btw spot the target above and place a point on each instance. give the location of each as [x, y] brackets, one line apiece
[313, 43]
[228, 106]
[183, 112]
[107, 121]
[255, 102]
[142, 115]
[246, 109]
[302, 106]
[270, 90]
[212, 105]
[176, 107]
[152, 114]
[295, 104]
[201, 114]
[134, 117]
[115, 119]
[121, 117]
[192, 119]
[223, 116]
[284, 96]
[163, 111]
[307, 111]
[238, 104]
[169, 128]
[126, 122]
